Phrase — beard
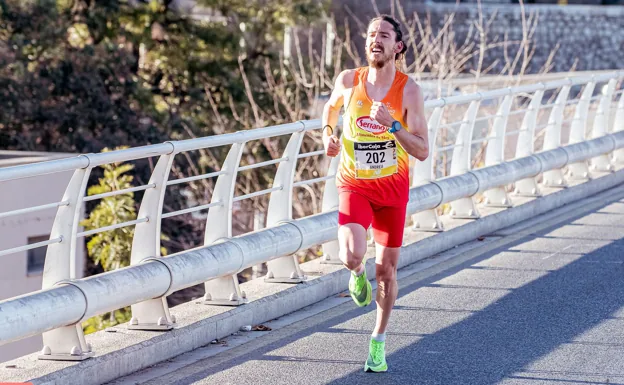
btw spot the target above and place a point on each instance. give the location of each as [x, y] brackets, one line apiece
[380, 61]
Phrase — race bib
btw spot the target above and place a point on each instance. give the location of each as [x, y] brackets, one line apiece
[375, 159]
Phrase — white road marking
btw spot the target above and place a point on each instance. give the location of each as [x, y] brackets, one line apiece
[560, 251]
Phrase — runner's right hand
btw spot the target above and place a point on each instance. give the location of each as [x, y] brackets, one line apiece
[332, 145]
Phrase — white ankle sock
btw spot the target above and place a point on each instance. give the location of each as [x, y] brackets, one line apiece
[379, 337]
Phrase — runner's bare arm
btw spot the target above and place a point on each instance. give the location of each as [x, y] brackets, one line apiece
[331, 112]
[414, 139]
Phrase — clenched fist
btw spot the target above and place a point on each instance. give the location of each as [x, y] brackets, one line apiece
[380, 113]
[332, 145]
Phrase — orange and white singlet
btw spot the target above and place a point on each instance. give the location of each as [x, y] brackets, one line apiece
[373, 163]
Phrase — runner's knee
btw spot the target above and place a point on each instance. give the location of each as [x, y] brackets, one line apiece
[350, 259]
[386, 273]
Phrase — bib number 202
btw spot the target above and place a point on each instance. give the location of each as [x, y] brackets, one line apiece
[375, 157]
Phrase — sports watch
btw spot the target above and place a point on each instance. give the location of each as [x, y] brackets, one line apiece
[396, 126]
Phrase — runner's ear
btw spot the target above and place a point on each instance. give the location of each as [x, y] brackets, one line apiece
[402, 49]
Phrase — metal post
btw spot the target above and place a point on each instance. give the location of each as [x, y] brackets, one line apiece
[66, 343]
[259, 218]
[618, 125]
[601, 124]
[223, 290]
[552, 138]
[331, 249]
[580, 170]
[495, 153]
[152, 314]
[424, 173]
[525, 146]
[285, 269]
[460, 164]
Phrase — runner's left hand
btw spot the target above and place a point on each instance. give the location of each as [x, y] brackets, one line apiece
[380, 113]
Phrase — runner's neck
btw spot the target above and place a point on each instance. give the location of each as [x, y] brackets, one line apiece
[381, 77]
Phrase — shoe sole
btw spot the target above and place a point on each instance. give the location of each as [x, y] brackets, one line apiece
[369, 369]
[369, 296]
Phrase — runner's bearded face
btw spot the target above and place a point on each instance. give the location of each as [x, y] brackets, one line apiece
[380, 44]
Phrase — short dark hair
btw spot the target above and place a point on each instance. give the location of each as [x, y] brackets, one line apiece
[397, 30]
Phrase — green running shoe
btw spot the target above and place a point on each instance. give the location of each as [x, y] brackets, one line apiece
[376, 361]
[360, 289]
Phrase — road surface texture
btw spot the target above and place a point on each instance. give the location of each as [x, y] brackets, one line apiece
[539, 303]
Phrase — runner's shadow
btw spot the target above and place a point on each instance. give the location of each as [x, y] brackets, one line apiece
[502, 341]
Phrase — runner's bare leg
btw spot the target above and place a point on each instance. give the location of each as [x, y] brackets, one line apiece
[352, 243]
[386, 261]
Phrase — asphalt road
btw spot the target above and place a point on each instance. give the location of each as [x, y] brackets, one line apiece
[545, 307]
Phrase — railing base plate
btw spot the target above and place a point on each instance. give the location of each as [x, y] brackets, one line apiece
[331, 252]
[465, 216]
[285, 280]
[328, 261]
[564, 185]
[65, 356]
[224, 302]
[427, 221]
[151, 327]
[427, 229]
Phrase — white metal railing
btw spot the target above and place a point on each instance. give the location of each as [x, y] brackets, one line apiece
[65, 301]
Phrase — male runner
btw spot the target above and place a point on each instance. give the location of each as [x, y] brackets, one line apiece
[383, 122]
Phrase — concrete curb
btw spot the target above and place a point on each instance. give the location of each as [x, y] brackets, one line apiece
[124, 352]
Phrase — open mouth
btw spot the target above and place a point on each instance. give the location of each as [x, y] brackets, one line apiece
[377, 50]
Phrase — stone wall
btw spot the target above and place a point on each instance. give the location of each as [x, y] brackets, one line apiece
[590, 37]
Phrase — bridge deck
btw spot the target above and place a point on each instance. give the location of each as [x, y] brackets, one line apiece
[527, 306]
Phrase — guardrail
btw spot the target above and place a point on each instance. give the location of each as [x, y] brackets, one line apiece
[57, 310]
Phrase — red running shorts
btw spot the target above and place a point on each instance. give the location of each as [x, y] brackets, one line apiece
[388, 221]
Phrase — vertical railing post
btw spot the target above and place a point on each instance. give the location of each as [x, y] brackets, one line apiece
[600, 127]
[331, 249]
[152, 314]
[618, 125]
[461, 162]
[66, 343]
[285, 269]
[526, 144]
[223, 290]
[580, 170]
[424, 173]
[495, 153]
[552, 137]
[259, 221]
